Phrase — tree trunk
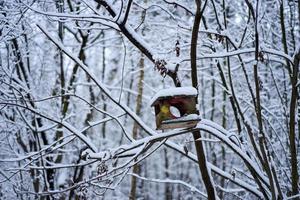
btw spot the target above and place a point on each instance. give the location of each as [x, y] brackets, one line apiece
[205, 172]
[136, 168]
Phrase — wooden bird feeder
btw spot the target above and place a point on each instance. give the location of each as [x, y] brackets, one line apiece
[175, 108]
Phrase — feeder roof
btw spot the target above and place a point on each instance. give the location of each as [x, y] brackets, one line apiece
[172, 92]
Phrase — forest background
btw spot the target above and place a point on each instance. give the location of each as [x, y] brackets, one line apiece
[76, 79]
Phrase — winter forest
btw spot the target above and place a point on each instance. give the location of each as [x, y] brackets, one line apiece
[149, 99]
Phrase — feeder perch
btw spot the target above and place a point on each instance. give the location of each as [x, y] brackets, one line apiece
[175, 108]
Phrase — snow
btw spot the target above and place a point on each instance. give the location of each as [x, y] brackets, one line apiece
[102, 156]
[139, 38]
[187, 185]
[242, 51]
[204, 125]
[91, 17]
[191, 117]
[47, 119]
[62, 177]
[170, 92]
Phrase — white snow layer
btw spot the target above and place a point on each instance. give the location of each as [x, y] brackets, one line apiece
[170, 92]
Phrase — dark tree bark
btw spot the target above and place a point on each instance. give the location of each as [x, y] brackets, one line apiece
[211, 193]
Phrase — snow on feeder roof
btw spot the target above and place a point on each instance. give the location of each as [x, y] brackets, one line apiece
[171, 92]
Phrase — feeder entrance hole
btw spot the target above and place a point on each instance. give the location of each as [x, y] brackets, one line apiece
[175, 111]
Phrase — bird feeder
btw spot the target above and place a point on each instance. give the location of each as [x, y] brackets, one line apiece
[175, 108]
